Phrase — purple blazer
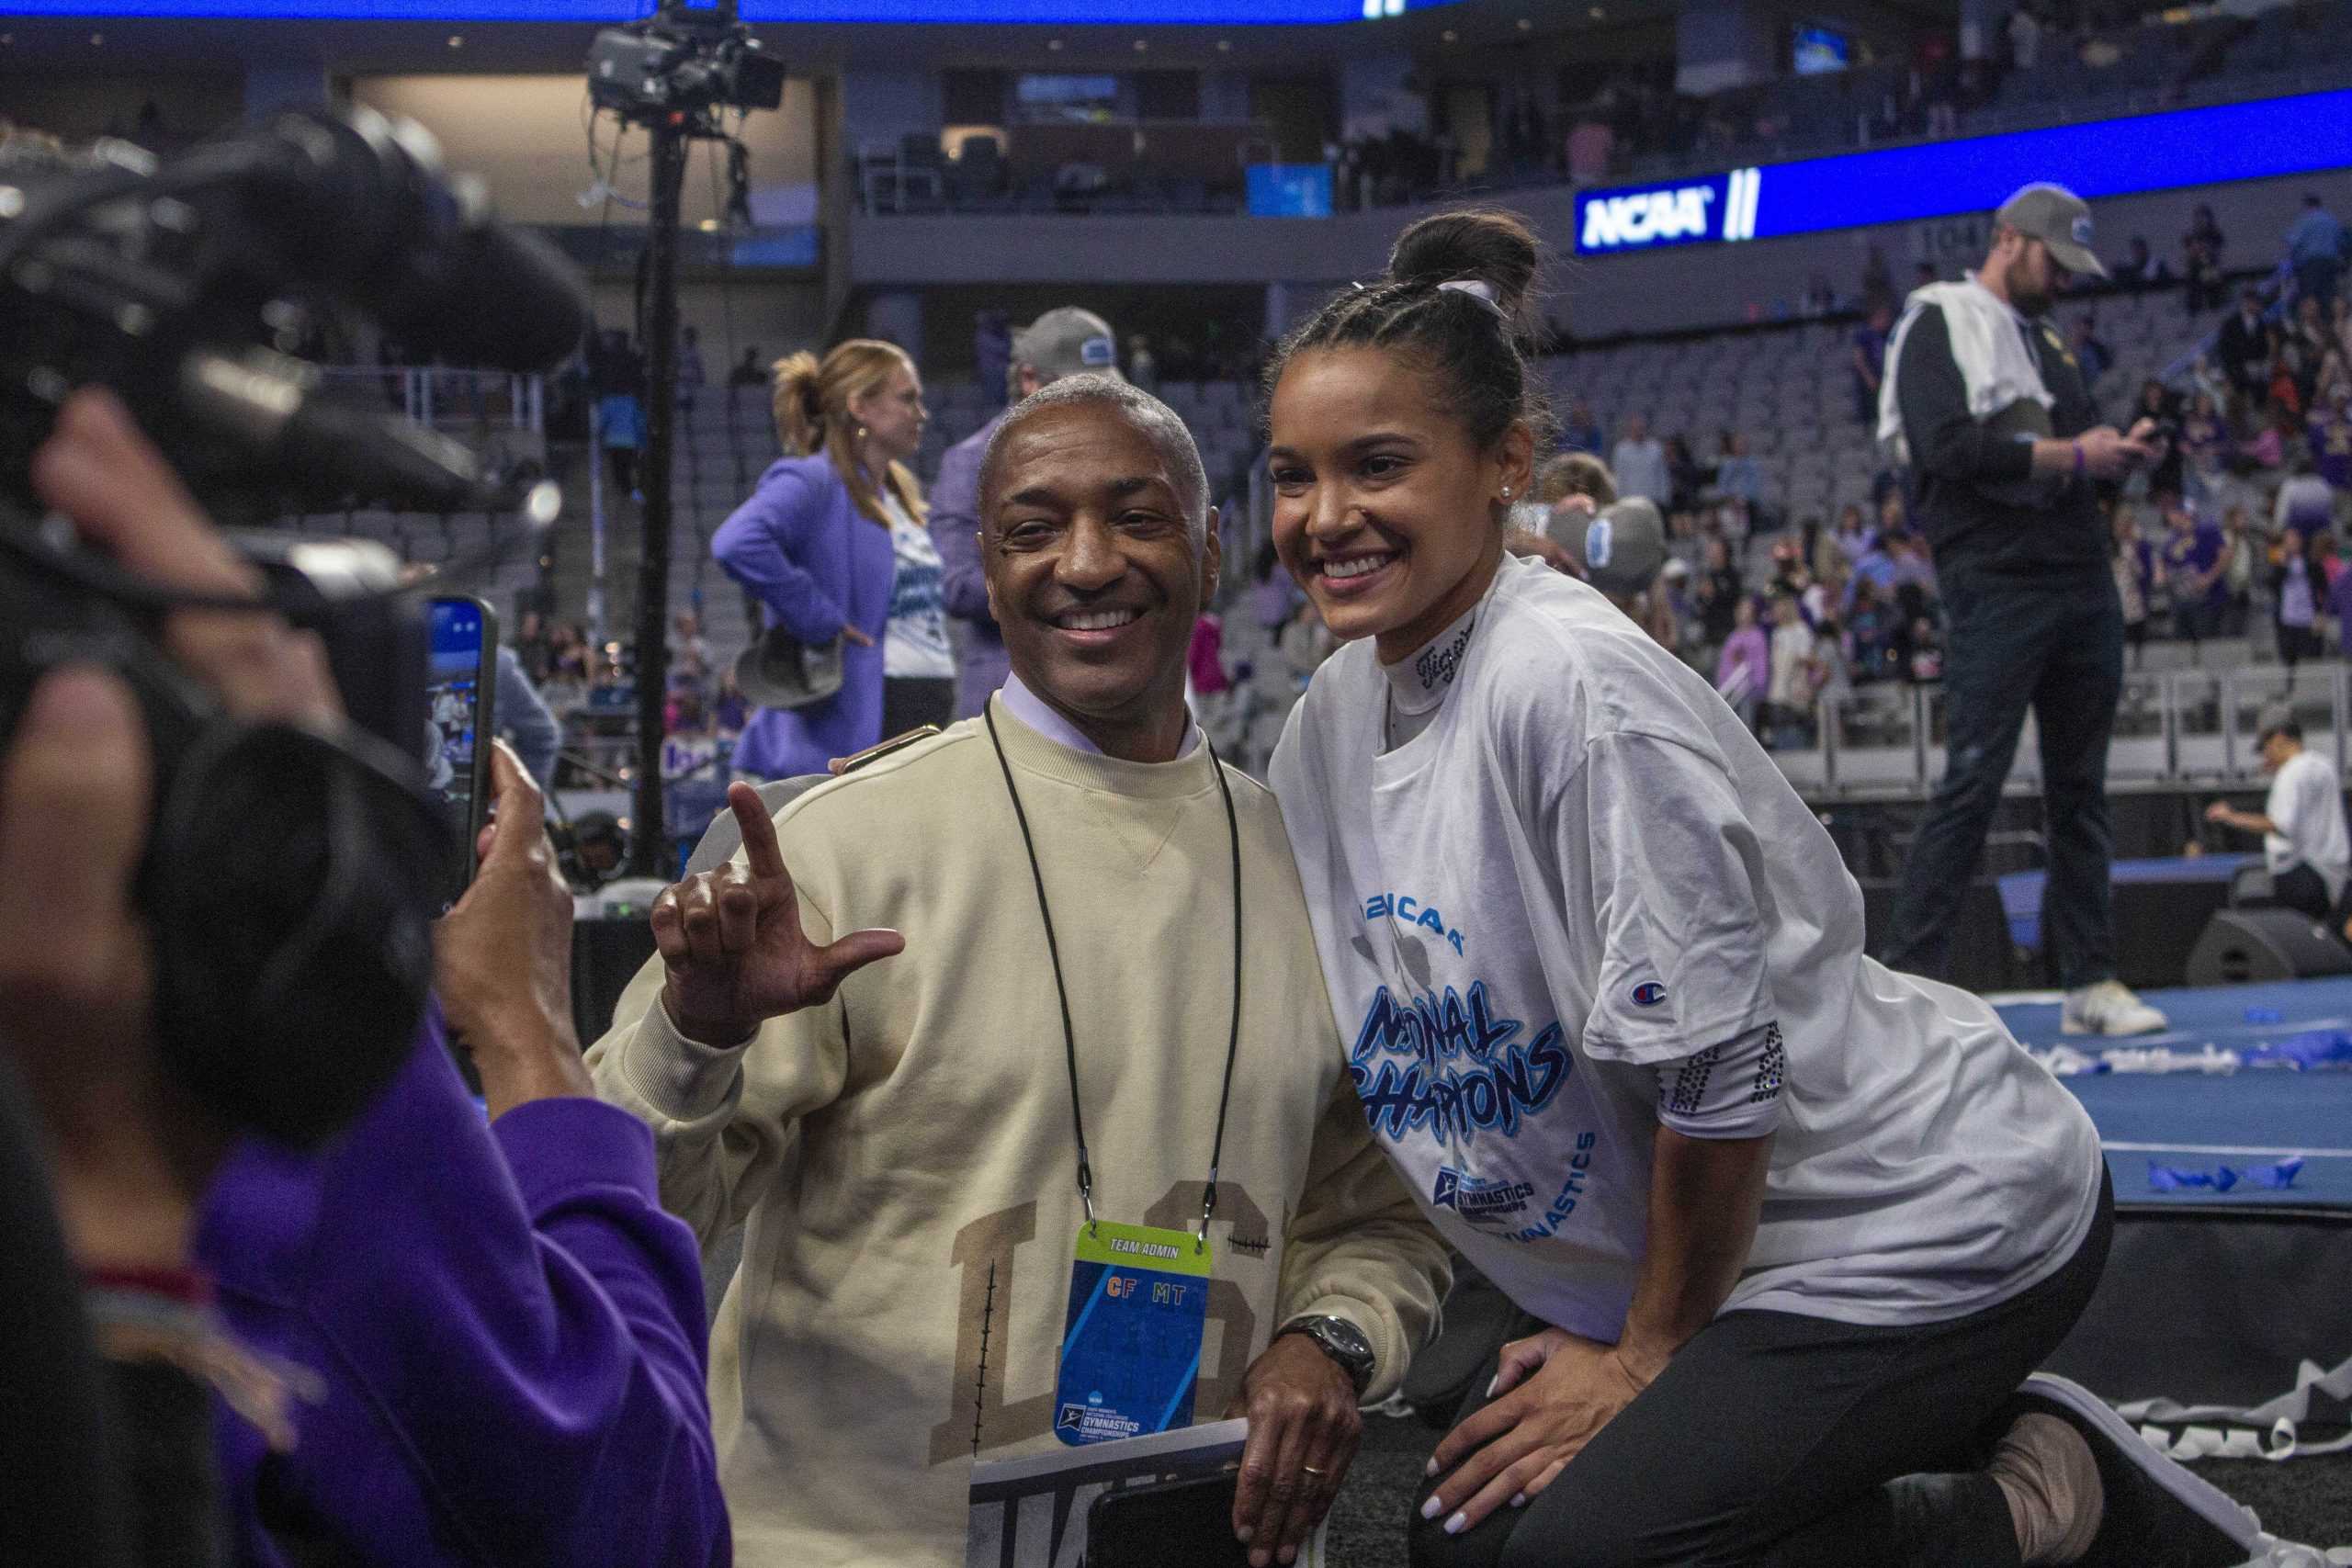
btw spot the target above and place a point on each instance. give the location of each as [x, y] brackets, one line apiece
[816, 564]
[955, 522]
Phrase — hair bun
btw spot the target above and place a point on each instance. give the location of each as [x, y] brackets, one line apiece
[1484, 244]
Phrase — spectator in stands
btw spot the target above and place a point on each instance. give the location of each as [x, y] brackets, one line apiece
[1580, 431]
[2200, 249]
[1719, 591]
[693, 374]
[2134, 580]
[1818, 299]
[2195, 557]
[1744, 669]
[2205, 444]
[1639, 462]
[728, 709]
[2244, 349]
[1854, 537]
[2090, 350]
[2316, 247]
[2139, 268]
[1796, 678]
[1867, 356]
[2305, 844]
[2305, 501]
[2299, 589]
[749, 372]
[1873, 630]
[1065, 340]
[2161, 406]
[618, 374]
[2025, 37]
[1738, 473]
[1686, 476]
[1143, 369]
[2329, 432]
[820, 543]
[523, 720]
[2005, 447]
[2242, 552]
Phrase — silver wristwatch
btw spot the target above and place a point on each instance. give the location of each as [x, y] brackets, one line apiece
[1340, 1340]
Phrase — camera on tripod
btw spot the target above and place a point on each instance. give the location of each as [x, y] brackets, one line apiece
[686, 59]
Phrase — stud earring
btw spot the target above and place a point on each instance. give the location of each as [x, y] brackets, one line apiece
[1506, 492]
[861, 433]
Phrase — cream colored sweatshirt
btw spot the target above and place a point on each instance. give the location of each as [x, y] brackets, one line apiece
[903, 1161]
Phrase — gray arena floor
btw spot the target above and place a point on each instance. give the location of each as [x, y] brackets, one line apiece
[2307, 1500]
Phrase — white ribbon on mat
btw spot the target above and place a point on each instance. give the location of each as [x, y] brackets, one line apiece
[2268, 1430]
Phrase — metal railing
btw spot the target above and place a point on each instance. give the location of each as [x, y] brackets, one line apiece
[2172, 728]
[452, 400]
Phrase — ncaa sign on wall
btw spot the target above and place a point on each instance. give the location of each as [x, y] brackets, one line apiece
[1718, 207]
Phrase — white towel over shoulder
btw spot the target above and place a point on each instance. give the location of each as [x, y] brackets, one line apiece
[1987, 344]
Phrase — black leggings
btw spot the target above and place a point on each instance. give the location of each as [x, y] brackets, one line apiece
[1773, 1439]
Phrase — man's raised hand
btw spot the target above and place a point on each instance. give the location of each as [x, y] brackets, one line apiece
[732, 942]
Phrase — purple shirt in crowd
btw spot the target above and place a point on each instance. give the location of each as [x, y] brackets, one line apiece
[1749, 647]
[508, 1330]
[2195, 552]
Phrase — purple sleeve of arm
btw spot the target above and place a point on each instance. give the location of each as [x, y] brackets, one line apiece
[511, 1312]
[757, 546]
[955, 526]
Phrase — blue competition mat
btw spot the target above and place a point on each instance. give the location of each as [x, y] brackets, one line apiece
[2196, 1121]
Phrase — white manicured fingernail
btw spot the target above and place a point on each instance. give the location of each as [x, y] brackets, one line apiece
[1432, 1469]
[1430, 1508]
[1493, 1383]
[1518, 1499]
[1456, 1525]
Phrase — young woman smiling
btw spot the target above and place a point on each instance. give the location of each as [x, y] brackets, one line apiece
[1788, 1229]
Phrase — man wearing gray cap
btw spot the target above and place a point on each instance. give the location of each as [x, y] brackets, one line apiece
[1988, 409]
[1062, 342]
[2305, 844]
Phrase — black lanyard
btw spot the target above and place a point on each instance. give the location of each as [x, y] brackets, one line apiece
[1069, 1035]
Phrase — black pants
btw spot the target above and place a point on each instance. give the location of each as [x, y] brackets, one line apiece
[1778, 1440]
[2301, 888]
[910, 700]
[2055, 644]
[2297, 644]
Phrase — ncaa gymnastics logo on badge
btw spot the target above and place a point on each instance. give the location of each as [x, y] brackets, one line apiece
[1648, 993]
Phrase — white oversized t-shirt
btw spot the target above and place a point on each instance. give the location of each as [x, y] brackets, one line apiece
[1585, 867]
[2306, 805]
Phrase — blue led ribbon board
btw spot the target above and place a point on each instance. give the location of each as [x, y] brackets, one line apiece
[2263, 140]
[1118, 13]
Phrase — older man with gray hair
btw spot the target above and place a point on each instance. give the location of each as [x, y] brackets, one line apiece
[1035, 986]
[1063, 342]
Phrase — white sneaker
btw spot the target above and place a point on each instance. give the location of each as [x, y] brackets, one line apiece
[2109, 1008]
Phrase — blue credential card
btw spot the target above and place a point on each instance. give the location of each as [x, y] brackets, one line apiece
[1131, 1344]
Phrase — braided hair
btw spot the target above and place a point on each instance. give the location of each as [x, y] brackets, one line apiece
[1451, 305]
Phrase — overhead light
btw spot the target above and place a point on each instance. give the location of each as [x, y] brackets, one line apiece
[1598, 14]
[1526, 26]
[1451, 35]
[1224, 46]
[1142, 44]
[457, 40]
[97, 40]
[1054, 44]
[708, 225]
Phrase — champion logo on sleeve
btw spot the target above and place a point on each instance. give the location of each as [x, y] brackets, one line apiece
[1648, 993]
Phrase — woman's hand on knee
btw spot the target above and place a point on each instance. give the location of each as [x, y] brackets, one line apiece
[1552, 1393]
